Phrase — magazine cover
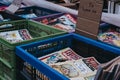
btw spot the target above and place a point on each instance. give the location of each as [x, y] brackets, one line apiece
[60, 56]
[16, 35]
[65, 22]
[74, 69]
[57, 57]
[112, 38]
[91, 62]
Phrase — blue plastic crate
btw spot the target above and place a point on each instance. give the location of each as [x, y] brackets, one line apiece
[38, 11]
[83, 46]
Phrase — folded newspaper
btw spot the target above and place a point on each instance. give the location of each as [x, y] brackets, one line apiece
[16, 35]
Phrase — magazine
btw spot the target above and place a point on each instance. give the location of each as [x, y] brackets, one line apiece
[91, 62]
[60, 56]
[63, 55]
[74, 69]
[65, 22]
[16, 35]
[112, 38]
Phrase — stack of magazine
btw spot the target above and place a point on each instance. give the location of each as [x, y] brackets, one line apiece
[65, 22]
[68, 63]
[110, 36]
[109, 70]
[15, 36]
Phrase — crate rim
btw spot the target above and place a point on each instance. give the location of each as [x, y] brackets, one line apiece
[99, 44]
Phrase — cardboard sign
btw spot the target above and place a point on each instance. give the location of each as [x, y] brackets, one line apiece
[16, 4]
[89, 17]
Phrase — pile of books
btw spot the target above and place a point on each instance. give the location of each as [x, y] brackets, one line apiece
[65, 22]
[68, 63]
[15, 36]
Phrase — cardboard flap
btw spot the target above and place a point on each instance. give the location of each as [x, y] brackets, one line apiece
[89, 16]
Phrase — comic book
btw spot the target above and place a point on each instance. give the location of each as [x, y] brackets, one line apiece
[16, 35]
[65, 22]
[60, 56]
[74, 69]
[91, 62]
[63, 55]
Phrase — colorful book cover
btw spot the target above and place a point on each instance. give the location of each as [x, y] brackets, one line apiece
[112, 38]
[60, 56]
[91, 62]
[16, 35]
[65, 22]
[57, 57]
[74, 69]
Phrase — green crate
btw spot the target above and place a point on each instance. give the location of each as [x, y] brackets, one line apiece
[1, 78]
[37, 31]
[0, 70]
[7, 73]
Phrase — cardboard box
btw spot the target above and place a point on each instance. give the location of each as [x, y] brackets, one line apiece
[89, 17]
